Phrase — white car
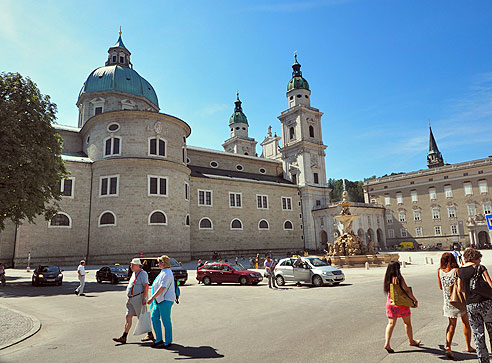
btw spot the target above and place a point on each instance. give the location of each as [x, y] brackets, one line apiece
[311, 271]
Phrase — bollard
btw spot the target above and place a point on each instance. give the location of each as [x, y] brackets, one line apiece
[432, 261]
[404, 264]
[367, 265]
[410, 259]
[426, 260]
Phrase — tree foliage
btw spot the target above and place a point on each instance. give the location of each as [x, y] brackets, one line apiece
[354, 190]
[30, 163]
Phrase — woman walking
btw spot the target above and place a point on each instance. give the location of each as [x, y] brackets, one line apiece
[393, 312]
[447, 275]
[162, 299]
[478, 306]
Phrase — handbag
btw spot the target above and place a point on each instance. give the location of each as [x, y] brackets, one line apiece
[457, 299]
[399, 297]
[479, 286]
[144, 324]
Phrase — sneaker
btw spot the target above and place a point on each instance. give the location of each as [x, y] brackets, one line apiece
[158, 345]
[148, 338]
[81, 294]
[121, 340]
[76, 292]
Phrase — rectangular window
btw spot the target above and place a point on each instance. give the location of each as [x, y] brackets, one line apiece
[98, 110]
[399, 198]
[66, 187]
[403, 232]
[262, 201]
[387, 200]
[235, 200]
[414, 196]
[389, 218]
[286, 203]
[204, 197]
[435, 213]
[419, 232]
[437, 230]
[157, 147]
[157, 185]
[471, 210]
[454, 229]
[482, 184]
[401, 216]
[108, 185]
[451, 212]
[468, 188]
[432, 194]
[391, 233]
[416, 215]
[486, 208]
[112, 146]
[316, 180]
[122, 60]
[448, 192]
[187, 191]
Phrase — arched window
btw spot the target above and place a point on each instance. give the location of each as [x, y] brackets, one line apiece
[205, 223]
[61, 220]
[107, 218]
[157, 146]
[291, 133]
[311, 131]
[288, 225]
[112, 146]
[187, 220]
[158, 217]
[263, 224]
[236, 224]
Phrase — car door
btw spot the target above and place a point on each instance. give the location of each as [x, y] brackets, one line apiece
[287, 270]
[228, 275]
[302, 273]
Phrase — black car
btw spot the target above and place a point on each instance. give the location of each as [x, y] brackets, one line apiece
[47, 275]
[114, 274]
[150, 265]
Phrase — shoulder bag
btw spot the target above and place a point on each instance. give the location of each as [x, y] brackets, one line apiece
[478, 285]
[457, 299]
[399, 296]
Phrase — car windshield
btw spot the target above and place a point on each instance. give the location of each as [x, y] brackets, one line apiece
[118, 269]
[174, 263]
[49, 269]
[317, 262]
[238, 267]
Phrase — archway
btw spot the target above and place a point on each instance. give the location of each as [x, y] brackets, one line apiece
[379, 234]
[324, 239]
[483, 238]
[361, 234]
[370, 235]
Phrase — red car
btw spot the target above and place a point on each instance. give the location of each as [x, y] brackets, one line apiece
[227, 273]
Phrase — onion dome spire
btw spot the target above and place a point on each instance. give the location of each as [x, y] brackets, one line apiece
[238, 116]
[297, 81]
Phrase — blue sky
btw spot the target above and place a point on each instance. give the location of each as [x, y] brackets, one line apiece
[378, 70]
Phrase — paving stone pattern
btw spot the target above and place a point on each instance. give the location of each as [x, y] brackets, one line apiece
[13, 325]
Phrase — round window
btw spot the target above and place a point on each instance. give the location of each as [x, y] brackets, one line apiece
[263, 171]
[237, 128]
[239, 167]
[299, 96]
[113, 127]
[244, 128]
[214, 164]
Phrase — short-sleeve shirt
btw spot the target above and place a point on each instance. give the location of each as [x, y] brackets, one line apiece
[465, 274]
[166, 279]
[81, 269]
[269, 263]
[137, 282]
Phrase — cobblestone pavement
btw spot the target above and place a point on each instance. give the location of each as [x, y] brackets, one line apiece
[14, 326]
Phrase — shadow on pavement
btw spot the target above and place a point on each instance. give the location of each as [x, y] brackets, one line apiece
[19, 289]
[194, 352]
[458, 356]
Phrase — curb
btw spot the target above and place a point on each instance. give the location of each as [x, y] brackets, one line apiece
[36, 326]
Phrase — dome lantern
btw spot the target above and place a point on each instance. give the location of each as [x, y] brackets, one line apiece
[297, 81]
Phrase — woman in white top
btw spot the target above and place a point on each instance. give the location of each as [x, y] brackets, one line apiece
[162, 299]
[447, 275]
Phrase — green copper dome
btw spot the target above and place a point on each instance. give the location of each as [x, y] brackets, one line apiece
[297, 81]
[119, 78]
[238, 116]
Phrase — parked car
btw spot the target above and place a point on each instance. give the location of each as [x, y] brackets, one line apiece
[114, 274]
[313, 271]
[45, 274]
[227, 273]
[150, 265]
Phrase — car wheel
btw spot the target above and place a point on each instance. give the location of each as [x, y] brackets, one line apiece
[33, 282]
[207, 280]
[280, 280]
[98, 279]
[243, 280]
[317, 281]
[114, 280]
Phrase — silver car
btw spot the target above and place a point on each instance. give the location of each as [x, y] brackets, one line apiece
[311, 271]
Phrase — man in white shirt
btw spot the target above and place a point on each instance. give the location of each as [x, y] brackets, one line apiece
[81, 274]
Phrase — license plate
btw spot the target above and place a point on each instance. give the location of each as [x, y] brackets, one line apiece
[50, 280]
[338, 278]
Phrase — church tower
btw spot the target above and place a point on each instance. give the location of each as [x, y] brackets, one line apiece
[434, 157]
[239, 142]
[302, 151]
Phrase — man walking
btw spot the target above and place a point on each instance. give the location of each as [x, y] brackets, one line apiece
[269, 265]
[137, 290]
[81, 274]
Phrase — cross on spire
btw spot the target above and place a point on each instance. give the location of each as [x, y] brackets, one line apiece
[120, 31]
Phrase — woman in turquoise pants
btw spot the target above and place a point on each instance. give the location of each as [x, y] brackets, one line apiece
[162, 299]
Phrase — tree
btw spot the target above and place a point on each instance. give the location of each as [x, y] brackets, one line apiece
[354, 190]
[30, 164]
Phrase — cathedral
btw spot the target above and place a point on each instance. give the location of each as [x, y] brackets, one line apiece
[136, 187]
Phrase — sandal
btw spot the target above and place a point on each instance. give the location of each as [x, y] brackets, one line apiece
[449, 354]
[389, 350]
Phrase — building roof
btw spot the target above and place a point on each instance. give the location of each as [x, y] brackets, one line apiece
[432, 143]
[203, 172]
[224, 153]
[66, 128]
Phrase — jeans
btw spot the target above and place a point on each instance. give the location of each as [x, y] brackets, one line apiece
[271, 280]
[162, 311]
[480, 314]
[80, 289]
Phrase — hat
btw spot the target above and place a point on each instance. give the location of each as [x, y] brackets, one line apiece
[136, 261]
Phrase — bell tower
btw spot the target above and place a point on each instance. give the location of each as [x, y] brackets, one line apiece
[303, 152]
[434, 157]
